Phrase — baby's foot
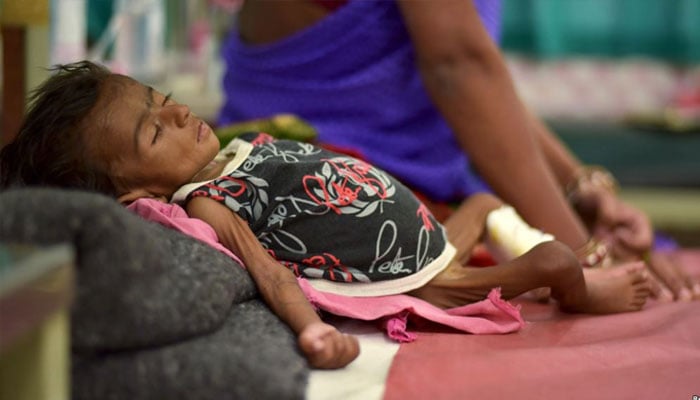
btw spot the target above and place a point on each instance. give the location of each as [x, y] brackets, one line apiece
[624, 288]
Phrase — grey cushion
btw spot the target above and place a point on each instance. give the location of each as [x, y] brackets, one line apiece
[155, 312]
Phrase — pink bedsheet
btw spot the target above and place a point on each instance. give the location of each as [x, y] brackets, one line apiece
[652, 354]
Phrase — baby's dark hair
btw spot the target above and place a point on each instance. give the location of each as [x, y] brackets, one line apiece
[49, 149]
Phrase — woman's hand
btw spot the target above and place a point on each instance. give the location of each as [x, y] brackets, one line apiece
[629, 232]
[326, 347]
[626, 228]
[677, 284]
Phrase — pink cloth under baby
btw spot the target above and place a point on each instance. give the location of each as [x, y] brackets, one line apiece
[489, 316]
[492, 315]
[174, 217]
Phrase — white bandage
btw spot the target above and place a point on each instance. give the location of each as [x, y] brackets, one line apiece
[508, 236]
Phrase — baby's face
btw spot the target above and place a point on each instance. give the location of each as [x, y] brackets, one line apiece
[155, 145]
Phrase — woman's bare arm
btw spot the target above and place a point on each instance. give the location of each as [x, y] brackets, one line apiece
[563, 163]
[517, 154]
[600, 208]
[323, 345]
[469, 83]
[520, 158]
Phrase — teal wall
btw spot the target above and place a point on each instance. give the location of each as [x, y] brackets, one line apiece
[664, 29]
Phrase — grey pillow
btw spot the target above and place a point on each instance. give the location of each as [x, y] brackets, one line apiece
[155, 311]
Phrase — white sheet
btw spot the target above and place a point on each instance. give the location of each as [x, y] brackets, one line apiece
[364, 378]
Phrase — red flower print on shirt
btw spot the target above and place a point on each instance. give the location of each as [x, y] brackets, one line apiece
[348, 186]
[424, 213]
[262, 138]
[331, 264]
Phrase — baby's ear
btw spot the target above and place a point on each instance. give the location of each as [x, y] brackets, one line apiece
[136, 194]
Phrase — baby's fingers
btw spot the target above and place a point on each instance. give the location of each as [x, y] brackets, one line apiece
[339, 350]
[325, 347]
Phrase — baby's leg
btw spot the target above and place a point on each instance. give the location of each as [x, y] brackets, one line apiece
[458, 285]
[465, 227]
[484, 216]
[550, 264]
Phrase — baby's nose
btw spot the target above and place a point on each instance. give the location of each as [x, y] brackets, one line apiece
[178, 113]
[183, 114]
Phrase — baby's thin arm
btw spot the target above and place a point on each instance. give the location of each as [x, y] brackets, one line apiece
[323, 345]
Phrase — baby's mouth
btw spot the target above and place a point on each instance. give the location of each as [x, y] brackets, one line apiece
[202, 131]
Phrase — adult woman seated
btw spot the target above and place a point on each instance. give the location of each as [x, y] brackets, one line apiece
[420, 89]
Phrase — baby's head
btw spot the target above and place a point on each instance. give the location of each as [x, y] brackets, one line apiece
[88, 128]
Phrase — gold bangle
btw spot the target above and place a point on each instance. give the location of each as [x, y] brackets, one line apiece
[590, 177]
[594, 254]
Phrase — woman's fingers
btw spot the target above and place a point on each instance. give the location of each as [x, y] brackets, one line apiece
[673, 277]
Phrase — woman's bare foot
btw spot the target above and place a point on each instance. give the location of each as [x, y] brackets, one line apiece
[624, 288]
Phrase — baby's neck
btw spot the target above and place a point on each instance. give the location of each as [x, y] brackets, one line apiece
[211, 171]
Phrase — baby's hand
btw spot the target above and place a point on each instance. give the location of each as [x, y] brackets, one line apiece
[326, 347]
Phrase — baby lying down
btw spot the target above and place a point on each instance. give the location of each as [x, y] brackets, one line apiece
[292, 209]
